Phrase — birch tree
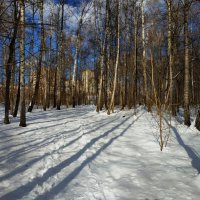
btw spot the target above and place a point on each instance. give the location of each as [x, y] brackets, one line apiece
[135, 52]
[108, 51]
[17, 98]
[32, 78]
[170, 59]
[22, 65]
[102, 56]
[10, 64]
[42, 48]
[60, 66]
[144, 54]
[111, 106]
[77, 48]
[186, 8]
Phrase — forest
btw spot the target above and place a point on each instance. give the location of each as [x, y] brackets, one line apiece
[99, 99]
[134, 52]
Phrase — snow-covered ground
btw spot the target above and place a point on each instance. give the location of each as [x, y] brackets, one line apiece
[77, 154]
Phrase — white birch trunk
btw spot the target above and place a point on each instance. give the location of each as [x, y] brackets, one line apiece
[111, 106]
[144, 55]
[22, 65]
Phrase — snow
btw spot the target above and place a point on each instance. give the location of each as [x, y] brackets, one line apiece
[77, 154]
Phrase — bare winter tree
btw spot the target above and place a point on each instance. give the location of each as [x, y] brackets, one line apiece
[102, 56]
[60, 66]
[170, 59]
[186, 7]
[22, 65]
[84, 11]
[144, 54]
[10, 62]
[42, 48]
[111, 106]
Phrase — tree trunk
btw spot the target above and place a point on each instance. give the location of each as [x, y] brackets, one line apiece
[111, 106]
[22, 65]
[17, 99]
[107, 64]
[60, 67]
[74, 71]
[144, 56]
[12, 87]
[45, 77]
[100, 84]
[126, 82]
[32, 77]
[48, 93]
[103, 48]
[55, 88]
[9, 64]
[135, 59]
[37, 84]
[108, 71]
[170, 57]
[186, 72]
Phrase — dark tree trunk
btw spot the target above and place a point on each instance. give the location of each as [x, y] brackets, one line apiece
[36, 90]
[17, 99]
[54, 89]
[9, 66]
[187, 69]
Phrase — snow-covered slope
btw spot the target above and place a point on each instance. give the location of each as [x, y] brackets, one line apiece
[77, 154]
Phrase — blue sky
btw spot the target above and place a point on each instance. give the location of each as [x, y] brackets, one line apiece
[70, 2]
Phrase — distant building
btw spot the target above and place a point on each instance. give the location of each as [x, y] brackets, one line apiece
[88, 86]
[85, 86]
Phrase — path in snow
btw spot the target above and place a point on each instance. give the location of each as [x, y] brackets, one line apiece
[77, 154]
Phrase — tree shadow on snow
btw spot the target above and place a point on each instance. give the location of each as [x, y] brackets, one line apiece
[150, 199]
[28, 187]
[45, 142]
[195, 159]
[61, 185]
[40, 117]
[34, 147]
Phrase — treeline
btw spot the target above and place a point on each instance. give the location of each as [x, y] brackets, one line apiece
[137, 52]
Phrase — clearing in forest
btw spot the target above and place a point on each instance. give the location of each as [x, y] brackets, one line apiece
[77, 154]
